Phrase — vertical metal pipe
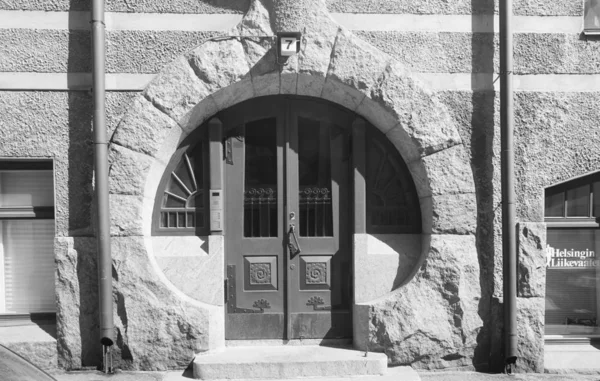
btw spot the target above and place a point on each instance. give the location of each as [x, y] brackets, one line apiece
[509, 245]
[101, 184]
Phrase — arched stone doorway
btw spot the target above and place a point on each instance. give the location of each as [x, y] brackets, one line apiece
[293, 179]
[389, 313]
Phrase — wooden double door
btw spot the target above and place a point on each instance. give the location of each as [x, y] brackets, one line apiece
[287, 206]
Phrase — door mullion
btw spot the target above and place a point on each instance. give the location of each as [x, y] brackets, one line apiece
[291, 177]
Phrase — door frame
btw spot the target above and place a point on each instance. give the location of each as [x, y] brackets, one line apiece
[324, 110]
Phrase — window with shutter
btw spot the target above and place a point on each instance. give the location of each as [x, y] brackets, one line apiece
[591, 18]
[26, 237]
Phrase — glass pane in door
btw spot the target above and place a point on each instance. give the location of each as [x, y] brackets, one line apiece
[260, 179]
[314, 174]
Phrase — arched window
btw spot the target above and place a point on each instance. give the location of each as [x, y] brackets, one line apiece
[392, 201]
[392, 207]
[181, 199]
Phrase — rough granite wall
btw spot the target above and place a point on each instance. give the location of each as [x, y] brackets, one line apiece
[140, 6]
[556, 139]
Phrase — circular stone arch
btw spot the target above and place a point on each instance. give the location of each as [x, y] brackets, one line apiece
[334, 65]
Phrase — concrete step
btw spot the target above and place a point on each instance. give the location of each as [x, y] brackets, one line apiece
[284, 362]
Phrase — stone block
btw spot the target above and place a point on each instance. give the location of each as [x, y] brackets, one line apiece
[360, 324]
[219, 63]
[266, 84]
[419, 175]
[318, 34]
[126, 215]
[531, 270]
[261, 54]
[355, 64]
[127, 170]
[426, 206]
[424, 118]
[310, 86]
[157, 328]
[200, 113]
[433, 322]
[144, 128]
[187, 264]
[288, 83]
[176, 89]
[117, 105]
[449, 171]
[234, 94]
[454, 213]
[383, 262]
[530, 333]
[342, 94]
[379, 116]
[402, 141]
[288, 362]
[76, 302]
[256, 21]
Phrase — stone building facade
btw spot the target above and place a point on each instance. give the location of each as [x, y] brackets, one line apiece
[420, 76]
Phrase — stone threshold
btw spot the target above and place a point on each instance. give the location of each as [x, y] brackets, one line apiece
[347, 343]
[288, 362]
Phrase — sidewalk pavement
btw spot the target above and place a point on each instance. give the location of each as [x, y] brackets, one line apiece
[394, 375]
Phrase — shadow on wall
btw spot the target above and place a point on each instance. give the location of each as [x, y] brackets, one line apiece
[482, 139]
[80, 165]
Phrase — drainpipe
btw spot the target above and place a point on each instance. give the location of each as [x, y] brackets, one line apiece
[101, 182]
[509, 246]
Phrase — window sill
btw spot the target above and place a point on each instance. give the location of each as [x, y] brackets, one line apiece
[572, 222]
[570, 340]
[14, 320]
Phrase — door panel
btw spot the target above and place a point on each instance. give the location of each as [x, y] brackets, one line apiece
[318, 173]
[288, 250]
[254, 205]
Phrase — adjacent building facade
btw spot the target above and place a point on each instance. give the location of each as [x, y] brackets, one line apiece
[348, 192]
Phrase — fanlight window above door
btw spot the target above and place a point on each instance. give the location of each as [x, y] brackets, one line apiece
[181, 201]
[392, 201]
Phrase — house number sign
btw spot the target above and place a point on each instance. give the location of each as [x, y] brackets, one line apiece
[288, 43]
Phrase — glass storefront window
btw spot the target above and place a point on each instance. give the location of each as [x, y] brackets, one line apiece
[578, 201]
[555, 205]
[572, 267]
[596, 190]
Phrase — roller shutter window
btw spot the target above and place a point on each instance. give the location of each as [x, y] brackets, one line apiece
[591, 18]
[572, 258]
[27, 238]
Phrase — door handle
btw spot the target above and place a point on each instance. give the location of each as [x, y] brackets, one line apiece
[293, 244]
